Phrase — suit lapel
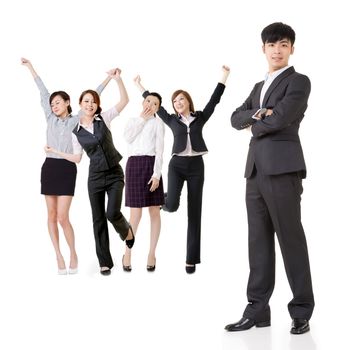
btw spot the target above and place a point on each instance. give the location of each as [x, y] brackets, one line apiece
[275, 83]
[256, 96]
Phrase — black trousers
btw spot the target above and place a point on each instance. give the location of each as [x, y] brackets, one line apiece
[273, 205]
[190, 169]
[112, 183]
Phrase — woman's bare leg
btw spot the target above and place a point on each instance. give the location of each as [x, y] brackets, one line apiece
[135, 217]
[63, 206]
[51, 204]
[154, 213]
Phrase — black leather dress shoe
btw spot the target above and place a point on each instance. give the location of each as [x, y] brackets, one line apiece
[246, 323]
[300, 326]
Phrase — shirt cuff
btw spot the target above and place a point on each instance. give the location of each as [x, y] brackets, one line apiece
[157, 176]
[256, 113]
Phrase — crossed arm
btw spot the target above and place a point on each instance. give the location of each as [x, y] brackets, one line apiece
[289, 109]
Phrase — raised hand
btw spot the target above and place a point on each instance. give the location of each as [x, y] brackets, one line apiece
[226, 72]
[25, 61]
[28, 64]
[115, 73]
[137, 81]
[111, 72]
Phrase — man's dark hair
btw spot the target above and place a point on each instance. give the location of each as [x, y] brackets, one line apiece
[277, 31]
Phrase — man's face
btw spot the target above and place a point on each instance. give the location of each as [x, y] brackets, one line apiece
[277, 54]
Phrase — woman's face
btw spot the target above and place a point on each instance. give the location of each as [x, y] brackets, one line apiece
[88, 105]
[152, 102]
[181, 105]
[59, 106]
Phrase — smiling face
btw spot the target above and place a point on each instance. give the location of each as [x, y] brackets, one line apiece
[181, 105]
[277, 54]
[88, 105]
[59, 106]
[152, 102]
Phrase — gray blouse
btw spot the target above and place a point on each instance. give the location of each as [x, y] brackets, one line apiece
[59, 130]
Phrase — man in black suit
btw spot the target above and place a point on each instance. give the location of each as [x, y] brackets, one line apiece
[274, 172]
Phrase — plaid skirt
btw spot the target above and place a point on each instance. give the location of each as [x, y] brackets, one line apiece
[138, 172]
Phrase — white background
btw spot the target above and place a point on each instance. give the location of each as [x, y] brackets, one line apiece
[173, 45]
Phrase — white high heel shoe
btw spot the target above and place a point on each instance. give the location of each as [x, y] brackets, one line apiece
[62, 271]
[73, 271]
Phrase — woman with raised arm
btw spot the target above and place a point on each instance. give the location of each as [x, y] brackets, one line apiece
[186, 163]
[58, 175]
[106, 176]
[143, 182]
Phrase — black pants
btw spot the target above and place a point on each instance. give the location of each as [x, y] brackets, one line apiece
[190, 169]
[112, 183]
[273, 205]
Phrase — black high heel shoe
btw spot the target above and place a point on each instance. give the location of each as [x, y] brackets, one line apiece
[126, 268]
[130, 242]
[190, 269]
[151, 268]
[105, 271]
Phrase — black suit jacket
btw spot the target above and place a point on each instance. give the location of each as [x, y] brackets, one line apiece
[179, 129]
[275, 146]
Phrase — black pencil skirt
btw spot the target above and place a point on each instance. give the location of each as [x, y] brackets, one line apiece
[58, 177]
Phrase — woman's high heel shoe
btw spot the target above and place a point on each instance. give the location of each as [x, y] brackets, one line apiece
[151, 268]
[73, 262]
[130, 242]
[105, 271]
[190, 269]
[62, 271]
[126, 268]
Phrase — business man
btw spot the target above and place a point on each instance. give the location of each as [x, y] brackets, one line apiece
[274, 172]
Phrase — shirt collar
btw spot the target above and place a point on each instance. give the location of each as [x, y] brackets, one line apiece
[180, 116]
[96, 117]
[66, 117]
[275, 74]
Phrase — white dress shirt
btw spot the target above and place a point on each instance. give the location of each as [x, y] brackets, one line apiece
[146, 138]
[269, 78]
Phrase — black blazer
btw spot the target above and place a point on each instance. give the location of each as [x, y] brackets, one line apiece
[275, 146]
[179, 129]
